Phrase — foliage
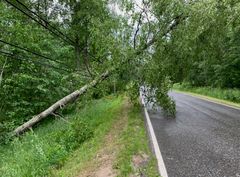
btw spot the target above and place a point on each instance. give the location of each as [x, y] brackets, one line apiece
[158, 84]
[204, 49]
[37, 153]
[151, 44]
[78, 132]
[30, 83]
[28, 79]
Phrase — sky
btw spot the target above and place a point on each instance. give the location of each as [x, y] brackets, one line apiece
[117, 9]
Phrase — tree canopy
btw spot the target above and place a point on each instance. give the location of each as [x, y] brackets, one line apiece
[49, 49]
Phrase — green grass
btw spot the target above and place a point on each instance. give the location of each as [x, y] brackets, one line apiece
[232, 95]
[80, 158]
[59, 148]
[131, 141]
[49, 148]
[134, 141]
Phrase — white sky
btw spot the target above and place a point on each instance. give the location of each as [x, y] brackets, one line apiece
[117, 9]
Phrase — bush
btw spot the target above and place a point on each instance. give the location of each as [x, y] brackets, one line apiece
[33, 155]
[78, 132]
[5, 128]
[37, 153]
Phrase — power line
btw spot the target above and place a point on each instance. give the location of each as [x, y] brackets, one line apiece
[11, 56]
[47, 22]
[32, 52]
[39, 22]
[65, 38]
[30, 17]
[47, 25]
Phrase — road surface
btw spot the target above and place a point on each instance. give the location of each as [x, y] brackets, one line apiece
[203, 140]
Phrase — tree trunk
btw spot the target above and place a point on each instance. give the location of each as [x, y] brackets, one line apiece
[86, 61]
[73, 96]
[77, 54]
[1, 74]
[60, 104]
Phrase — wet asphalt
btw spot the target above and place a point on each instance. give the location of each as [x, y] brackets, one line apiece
[202, 141]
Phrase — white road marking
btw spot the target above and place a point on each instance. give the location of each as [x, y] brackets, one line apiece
[161, 165]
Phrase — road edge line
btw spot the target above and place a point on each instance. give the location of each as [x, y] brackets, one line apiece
[161, 166]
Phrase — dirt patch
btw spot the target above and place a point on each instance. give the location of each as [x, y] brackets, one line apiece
[140, 160]
[138, 163]
[102, 165]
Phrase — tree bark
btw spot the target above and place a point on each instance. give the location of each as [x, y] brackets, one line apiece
[77, 54]
[86, 60]
[1, 74]
[60, 104]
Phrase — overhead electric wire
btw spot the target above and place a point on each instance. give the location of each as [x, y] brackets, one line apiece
[31, 17]
[65, 38]
[32, 52]
[60, 32]
[11, 56]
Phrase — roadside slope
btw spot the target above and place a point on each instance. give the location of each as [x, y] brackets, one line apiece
[49, 146]
[121, 151]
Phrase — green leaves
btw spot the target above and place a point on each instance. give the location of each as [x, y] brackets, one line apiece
[201, 50]
[194, 41]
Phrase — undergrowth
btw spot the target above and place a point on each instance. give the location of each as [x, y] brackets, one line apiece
[38, 153]
[130, 141]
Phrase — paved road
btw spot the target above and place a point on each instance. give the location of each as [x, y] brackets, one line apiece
[203, 140]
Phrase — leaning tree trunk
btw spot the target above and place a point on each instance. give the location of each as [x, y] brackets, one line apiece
[73, 96]
[59, 104]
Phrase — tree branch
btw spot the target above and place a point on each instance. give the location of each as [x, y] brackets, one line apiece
[138, 28]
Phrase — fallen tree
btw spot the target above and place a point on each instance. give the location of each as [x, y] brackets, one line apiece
[69, 98]
[73, 96]
[60, 104]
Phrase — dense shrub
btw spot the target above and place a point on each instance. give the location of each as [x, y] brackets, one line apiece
[78, 132]
[34, 155]
[48, 147]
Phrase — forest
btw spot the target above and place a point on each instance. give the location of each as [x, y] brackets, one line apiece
[59, 55]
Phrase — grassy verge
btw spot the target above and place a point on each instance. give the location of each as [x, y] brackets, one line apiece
[105, 133]
[42, 152]
[84, 157]
[226, 96]
[135, 156]
[121, 151]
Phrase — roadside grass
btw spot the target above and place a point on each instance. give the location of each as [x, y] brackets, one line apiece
[66, 147]
[134, 142]
[84, 156]
[124, 138]
[49, 147]
[227, 96]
